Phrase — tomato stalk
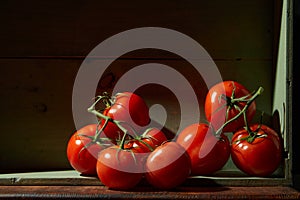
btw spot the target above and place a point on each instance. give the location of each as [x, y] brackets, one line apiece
[252, 134]
[232, 101]
[243, 111]
[108, 102]
[95, 139]
[106, 118]
[106, 99]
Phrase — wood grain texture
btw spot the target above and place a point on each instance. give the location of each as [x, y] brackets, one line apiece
[101, 192]
[73, 178]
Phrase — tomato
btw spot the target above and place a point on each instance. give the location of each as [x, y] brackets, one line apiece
[258, 155]
[81, 153]
[222, 104]
[119, 168]
[167, 166]
[130, 109]
[208, 153]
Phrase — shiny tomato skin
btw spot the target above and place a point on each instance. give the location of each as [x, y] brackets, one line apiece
[119, 169]
[130, 109]
[81, 158]
[260, 157]
[207, 152]
[167, 166]
[215, 110]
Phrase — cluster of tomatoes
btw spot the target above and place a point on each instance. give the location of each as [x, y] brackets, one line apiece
[122, 149]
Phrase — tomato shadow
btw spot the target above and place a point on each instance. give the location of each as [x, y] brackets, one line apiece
[202, 185]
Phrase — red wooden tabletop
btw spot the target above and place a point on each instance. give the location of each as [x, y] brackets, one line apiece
[101, 192]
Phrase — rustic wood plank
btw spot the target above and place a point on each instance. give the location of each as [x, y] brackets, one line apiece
[101, 192]
[71, 177]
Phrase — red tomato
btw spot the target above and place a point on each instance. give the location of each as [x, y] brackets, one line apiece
[81, 153]
[221, 98]
[208, 153]
[258, 156]
[130, 109]
[118, 168]
[168, 166]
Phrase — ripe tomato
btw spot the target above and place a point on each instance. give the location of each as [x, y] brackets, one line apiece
[131, 109]
[208, 152]
[257, 156]
[81, 153]
[167, 166]
[222, 100]
[119, 168]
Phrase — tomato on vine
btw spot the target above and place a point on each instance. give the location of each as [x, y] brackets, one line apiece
[125, 112]
[257, 150]
[224, 101]
[130, 108]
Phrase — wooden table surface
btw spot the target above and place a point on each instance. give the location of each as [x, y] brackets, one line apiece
[71, 185]
[101, 192]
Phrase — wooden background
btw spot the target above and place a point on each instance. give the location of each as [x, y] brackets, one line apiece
[43, 44]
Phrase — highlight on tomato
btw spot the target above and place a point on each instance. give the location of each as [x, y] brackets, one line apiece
[257, 150]
[224, 101]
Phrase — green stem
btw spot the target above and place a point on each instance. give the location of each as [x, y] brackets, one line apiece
[256, 94]
[119, 124]
[123, 140]
[92, 110]
[246, 122]
[98, 114]
[98, 132]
